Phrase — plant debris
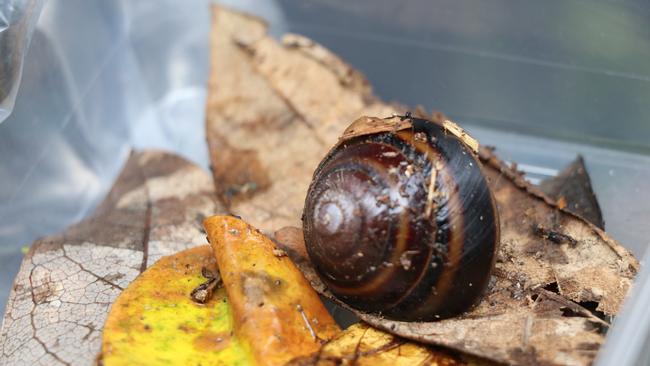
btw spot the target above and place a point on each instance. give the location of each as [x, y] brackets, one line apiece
[203, 292]
[554, 236]
[572, 190]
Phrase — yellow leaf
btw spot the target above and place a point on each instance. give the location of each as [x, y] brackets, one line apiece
[362, 345]
[277, 314]
[154, 321]
[270, 316]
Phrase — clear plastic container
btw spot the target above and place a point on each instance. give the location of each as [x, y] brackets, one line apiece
[541, 81]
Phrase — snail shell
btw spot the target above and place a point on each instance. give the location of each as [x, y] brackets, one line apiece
[400, 220]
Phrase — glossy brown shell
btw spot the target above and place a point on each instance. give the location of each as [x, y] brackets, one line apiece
[386, 238]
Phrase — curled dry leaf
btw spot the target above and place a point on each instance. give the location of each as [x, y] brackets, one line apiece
[548, 302]
[265, 97]
[277, 314]
[67, 282]
[363, 345]
[571, 188]
[154, 319]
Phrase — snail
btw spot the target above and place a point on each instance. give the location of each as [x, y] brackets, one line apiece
[399, 219]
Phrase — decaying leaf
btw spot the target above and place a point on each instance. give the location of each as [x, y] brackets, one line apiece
[286, 104]
[363, 345]
[154, 321]
[263, 98]
[67, 282]
[277, 314]
[572, 189]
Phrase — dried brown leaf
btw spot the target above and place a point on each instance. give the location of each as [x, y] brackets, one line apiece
[67, 282]
[284, 104]
[572, 188]
[549, 302]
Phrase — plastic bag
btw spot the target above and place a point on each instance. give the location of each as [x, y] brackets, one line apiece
[17, 20]
[99, 78]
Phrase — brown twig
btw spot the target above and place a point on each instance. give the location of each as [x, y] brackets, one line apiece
[203, 292]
